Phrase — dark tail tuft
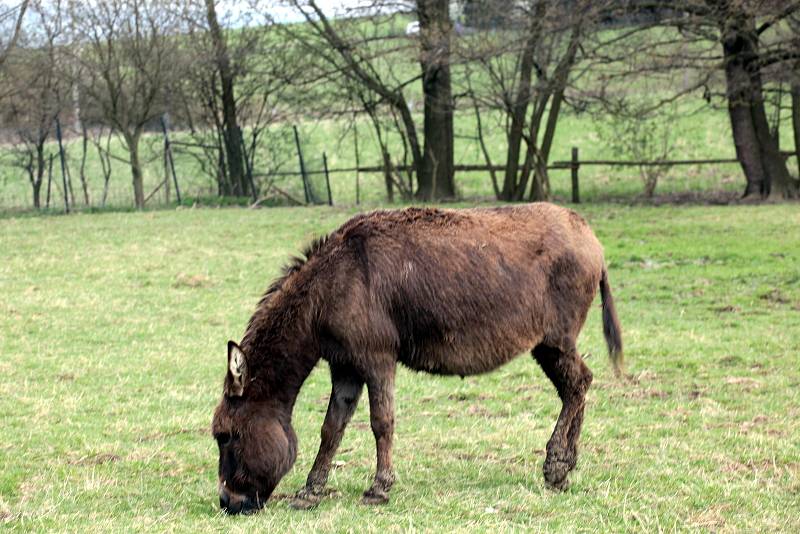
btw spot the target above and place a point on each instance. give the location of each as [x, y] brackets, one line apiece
[611, 328]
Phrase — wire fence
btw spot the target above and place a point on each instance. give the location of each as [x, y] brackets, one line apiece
[306, 177]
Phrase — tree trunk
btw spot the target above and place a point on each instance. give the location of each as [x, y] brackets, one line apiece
[796, 118]
[387, 175]
[520, 106]
[435, 177]
[12, 42]
[41, 168]
[132, 140]
[37, 197]
[411, 132]
[756, 148]
[231, 132]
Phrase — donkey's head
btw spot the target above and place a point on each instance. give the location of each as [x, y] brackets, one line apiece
[257, 445]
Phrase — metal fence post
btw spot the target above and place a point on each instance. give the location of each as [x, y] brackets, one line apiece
[248, 168]
[63, 164]
[168, 152]
[302, 165]
[574, 165]
[355, 142]
[327, 178]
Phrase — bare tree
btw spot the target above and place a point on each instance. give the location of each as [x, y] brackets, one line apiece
[518, 62]
[231, 132]
[233, 91]
[746, 56]
[794, 82]
[16, 29]
[128, 63]
[368, 52]
[435, 29]
[733, 49]
[37, 91]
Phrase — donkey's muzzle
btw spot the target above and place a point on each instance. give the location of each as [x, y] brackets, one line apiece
[233, 503]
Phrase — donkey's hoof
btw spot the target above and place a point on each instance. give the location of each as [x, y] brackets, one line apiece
[374, 496]
[559, 486]
[305, 500]
[555, 474]
[304, 504]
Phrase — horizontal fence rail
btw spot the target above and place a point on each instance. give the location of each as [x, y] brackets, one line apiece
[321, 192]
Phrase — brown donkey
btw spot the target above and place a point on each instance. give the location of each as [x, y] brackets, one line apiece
[451, 292]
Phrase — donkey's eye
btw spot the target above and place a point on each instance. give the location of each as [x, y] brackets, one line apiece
[223, 439]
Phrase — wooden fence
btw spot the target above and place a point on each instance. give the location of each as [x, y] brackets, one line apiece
[574, 165]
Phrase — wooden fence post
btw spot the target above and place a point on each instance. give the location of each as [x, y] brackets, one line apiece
[387, 176]
[576, 196]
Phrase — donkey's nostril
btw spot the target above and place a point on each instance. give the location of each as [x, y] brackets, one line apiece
[224, 499]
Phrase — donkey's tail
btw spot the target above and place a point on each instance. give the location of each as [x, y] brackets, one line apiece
[611, 328]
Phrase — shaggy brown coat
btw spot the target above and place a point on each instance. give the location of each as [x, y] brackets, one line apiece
[452, 292]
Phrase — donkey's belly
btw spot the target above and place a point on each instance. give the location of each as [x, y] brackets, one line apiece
[460, 360]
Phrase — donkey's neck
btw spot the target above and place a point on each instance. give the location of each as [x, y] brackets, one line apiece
[282, 350]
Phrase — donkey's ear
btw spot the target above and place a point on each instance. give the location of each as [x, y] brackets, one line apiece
[237, 371]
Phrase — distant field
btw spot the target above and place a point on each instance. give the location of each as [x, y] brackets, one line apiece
[113, 337]
[704, 134]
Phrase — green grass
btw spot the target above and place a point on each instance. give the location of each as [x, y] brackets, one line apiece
[113, 337]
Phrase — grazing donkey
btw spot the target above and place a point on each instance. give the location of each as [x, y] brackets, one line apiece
[451, 292]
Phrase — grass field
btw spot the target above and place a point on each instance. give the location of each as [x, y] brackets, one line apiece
[113, 330]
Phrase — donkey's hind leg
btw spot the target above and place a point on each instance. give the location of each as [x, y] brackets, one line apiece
[380, 388]
[345, 392]
[565, 368]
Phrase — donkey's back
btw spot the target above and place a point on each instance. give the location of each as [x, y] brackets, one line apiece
[464, 291]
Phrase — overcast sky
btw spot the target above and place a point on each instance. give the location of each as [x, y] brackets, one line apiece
[235, 8]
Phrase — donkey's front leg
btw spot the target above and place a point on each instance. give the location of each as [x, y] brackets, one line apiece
[380, 388]
[345, 392]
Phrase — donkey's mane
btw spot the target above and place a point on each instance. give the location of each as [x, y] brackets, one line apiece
[295, 264]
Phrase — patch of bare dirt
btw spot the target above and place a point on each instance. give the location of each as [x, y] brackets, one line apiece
[730, 360]
[643, 376]
[745, 383]
[695, 394]
[640, 393]
[709, 519]
[479, 411]
[469, 396]
[177, 432]
[775, 297]
[757, 421]
[327, 492]
[95, 459]
[727, 309]
[191, 281]
[766, 466]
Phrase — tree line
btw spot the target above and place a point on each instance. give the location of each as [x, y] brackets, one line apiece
[114, 68]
